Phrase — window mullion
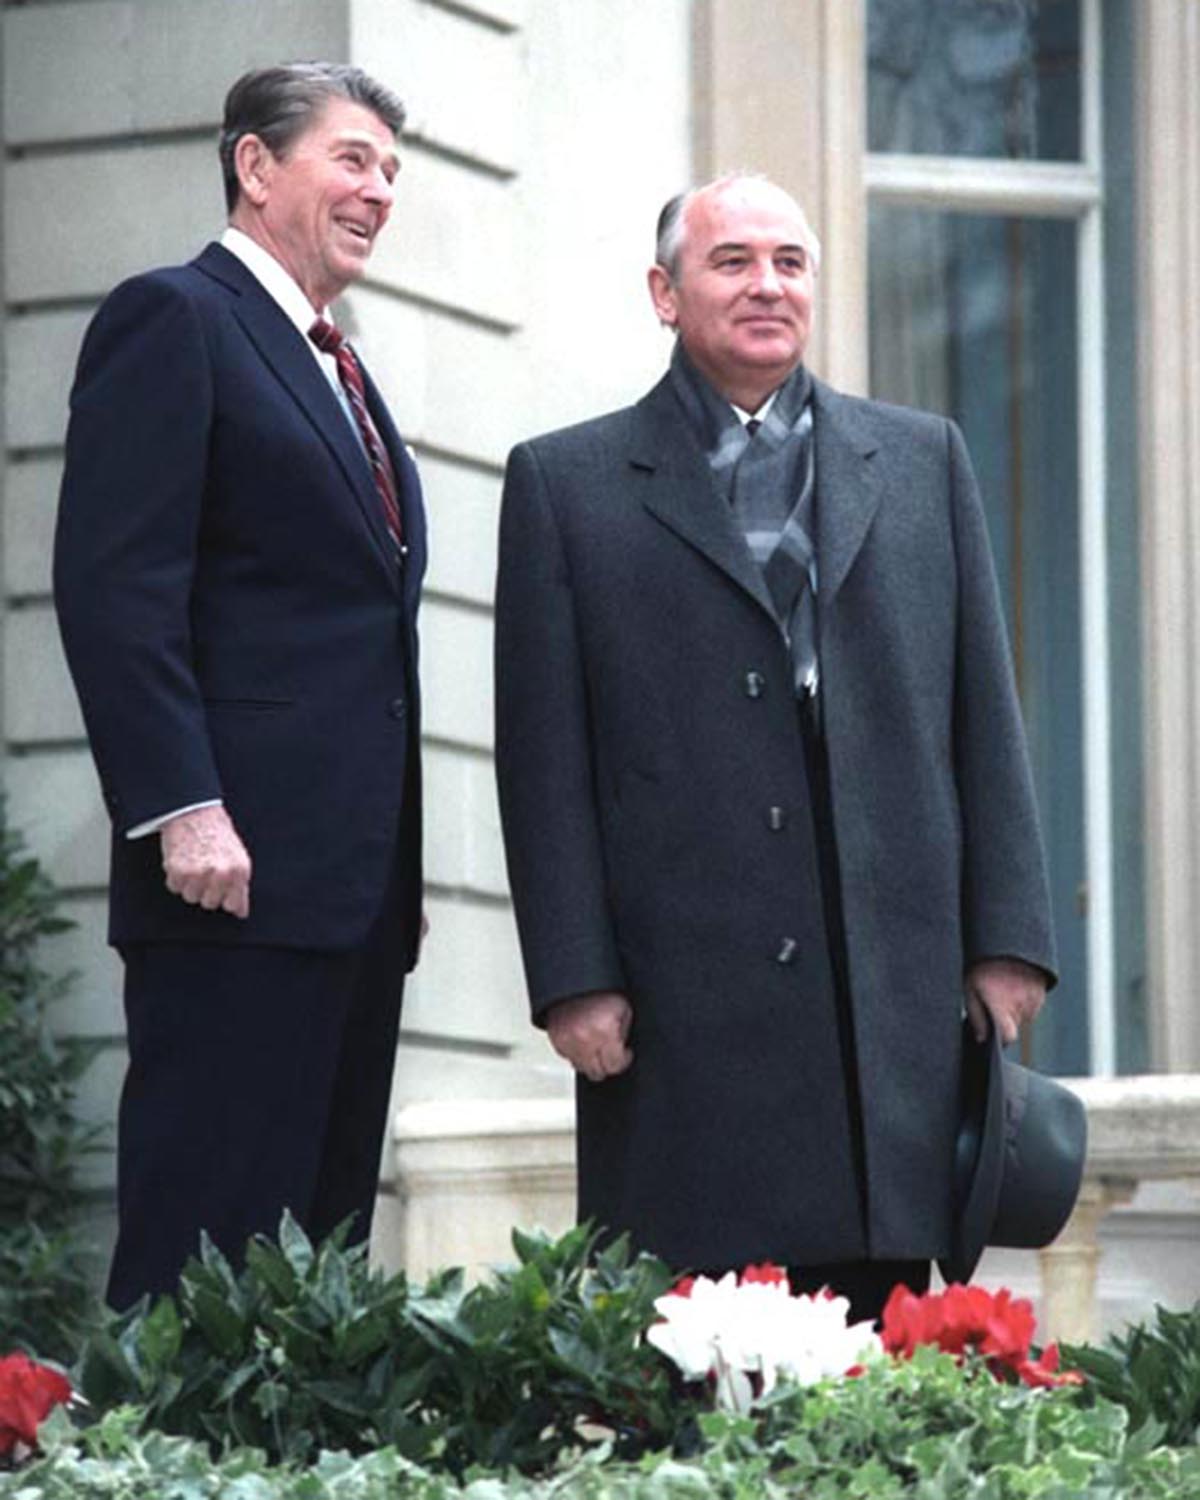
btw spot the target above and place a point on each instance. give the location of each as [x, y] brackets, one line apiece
[983, 185]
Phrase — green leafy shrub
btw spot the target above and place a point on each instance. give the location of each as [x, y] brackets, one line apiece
[550, 1345]
[45, 1292]
[925, 1428]
[1153, 1371]
[303, 1349]
[47, 1300]
[543, 1372]
[933, 1427]
[308, 1349]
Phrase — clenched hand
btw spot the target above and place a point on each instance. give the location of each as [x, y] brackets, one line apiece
[205, 861]
[591, 1032]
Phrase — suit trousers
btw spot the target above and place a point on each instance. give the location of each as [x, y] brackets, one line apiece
[258, 1080]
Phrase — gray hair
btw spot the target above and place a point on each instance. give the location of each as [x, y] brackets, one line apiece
[672, 222]
[278, 104]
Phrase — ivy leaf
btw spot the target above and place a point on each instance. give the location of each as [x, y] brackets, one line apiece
[296, 1245]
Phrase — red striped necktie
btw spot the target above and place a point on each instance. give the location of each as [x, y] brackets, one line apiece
[331, 340]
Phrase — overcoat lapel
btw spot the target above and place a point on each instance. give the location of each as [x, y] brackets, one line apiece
[279, 343]
[680, 492]
[849, 484]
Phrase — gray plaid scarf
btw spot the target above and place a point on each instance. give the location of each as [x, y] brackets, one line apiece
[767, 478]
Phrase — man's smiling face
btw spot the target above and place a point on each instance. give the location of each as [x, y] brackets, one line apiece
[327, 197]
[741, 295]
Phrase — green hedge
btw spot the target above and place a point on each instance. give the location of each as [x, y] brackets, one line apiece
[46, 1297]
[306, 1375]
[1153, 1370]
[443, 1391]
[307, 1349]
[926, 1428]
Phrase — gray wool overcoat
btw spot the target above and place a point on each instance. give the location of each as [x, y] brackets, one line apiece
[659, 838]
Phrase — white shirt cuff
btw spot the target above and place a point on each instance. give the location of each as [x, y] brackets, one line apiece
[152, 825]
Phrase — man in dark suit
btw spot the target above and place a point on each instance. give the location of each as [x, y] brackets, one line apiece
[767, 810]
[237, 566]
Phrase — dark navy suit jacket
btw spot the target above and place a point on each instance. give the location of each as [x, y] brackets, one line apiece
[232, 618]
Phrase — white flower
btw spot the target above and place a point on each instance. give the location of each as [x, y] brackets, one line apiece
[748, 1334]
[694, 1324]
[818, 1342]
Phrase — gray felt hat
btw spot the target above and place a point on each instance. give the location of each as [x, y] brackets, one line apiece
[1019, 1156]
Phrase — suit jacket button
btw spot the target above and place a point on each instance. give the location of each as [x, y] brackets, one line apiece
[776, 819]
[397, 708]
[754, 684]
[787, 951]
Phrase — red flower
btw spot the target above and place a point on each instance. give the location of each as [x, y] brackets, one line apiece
[767, 1273]
[1007, 1331]
[909, 1320]
[969, 1319]
[683, 1287]
[965, 1314]
[28, 1393]
[1045, 1371]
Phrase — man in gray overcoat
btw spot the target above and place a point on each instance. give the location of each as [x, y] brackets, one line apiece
[766, 801]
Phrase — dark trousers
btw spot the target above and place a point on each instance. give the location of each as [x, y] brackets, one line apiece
[258, 1079]
[867, 1283]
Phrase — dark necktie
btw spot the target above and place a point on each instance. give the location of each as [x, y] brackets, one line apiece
[330, 340]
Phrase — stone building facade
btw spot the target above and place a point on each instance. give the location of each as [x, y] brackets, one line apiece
[1041, 283]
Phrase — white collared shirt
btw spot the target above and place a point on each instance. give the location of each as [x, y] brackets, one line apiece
[761, 414]
[280, 285]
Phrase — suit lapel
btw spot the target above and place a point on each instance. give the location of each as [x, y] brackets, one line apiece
[680, 494]
[849, 482]
[281, 346]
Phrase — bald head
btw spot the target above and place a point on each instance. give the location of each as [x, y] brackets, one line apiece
[672, 220]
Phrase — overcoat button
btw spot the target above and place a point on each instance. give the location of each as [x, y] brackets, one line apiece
[776, 819]
[754, 684]
[397, 708]
[787, 951]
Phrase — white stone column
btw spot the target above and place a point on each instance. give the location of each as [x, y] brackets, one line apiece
[1168, 293]
[788, 98]
[1070, 1266]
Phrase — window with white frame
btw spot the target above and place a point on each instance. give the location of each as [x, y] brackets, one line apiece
[999, 180]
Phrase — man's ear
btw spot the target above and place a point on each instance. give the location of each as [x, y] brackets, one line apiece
[662, 294]
[253, 161]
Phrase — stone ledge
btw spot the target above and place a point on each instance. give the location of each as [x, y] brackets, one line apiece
[459, 1120]
[1143, 1126]
[467, 1171]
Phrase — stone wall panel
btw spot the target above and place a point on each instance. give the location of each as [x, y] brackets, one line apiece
[98, 69]
[157, 205]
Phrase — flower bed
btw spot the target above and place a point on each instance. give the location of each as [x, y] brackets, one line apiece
[576, 1374]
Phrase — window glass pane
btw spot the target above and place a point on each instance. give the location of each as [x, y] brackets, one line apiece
[975, 317]
[975, 78]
